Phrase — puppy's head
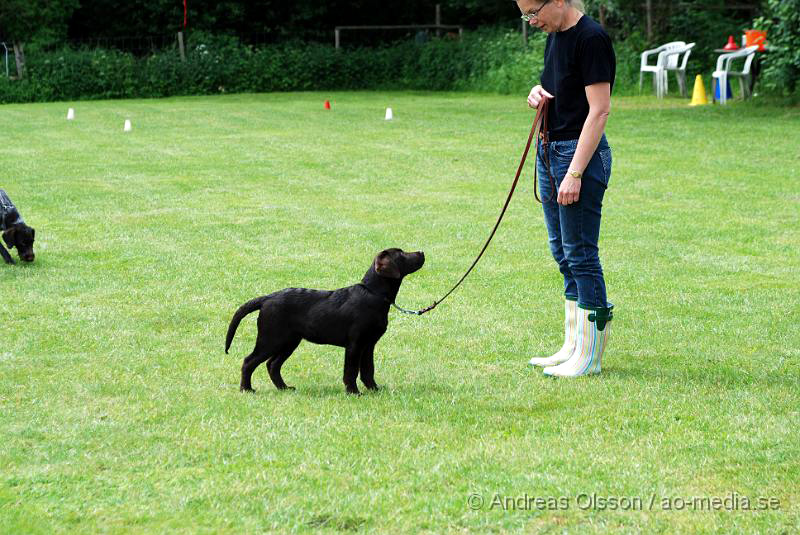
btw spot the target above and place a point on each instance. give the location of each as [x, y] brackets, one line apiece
[21, 236]
[396, 263]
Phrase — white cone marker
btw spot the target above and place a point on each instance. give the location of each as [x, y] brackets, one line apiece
[70, 114]
[127, 127]
[388, 114]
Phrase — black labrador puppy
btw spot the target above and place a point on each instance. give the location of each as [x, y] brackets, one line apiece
[15, 232]
[354, 317]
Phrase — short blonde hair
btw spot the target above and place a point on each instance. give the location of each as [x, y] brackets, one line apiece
[577, 4]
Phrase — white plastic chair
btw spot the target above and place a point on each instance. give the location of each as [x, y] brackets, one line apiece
[658, 68]
[723, 71]
[675, 61]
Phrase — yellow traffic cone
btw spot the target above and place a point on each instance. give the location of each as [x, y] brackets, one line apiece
[699, 94]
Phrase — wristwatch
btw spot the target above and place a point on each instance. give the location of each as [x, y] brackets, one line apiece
[575, 174]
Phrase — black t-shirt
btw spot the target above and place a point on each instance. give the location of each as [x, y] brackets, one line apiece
[573, 59]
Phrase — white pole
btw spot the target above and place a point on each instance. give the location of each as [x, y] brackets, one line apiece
[180, 46]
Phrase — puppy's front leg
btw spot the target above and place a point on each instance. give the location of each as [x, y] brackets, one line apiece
[352, 357]
[367, 368]
[6, 256]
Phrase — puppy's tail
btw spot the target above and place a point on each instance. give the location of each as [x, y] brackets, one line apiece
[244, 310]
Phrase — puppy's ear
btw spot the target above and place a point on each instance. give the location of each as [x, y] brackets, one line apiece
[33, 233]
[385, 266]
[8, 237]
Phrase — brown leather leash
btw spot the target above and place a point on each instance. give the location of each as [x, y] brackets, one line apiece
[540, 125]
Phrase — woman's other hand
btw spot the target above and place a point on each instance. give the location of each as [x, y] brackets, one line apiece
[569, 192]
[537, 95]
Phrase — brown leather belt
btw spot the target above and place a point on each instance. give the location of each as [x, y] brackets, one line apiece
[540, 125]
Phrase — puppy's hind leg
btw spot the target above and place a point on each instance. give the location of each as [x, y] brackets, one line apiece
[251, 362]
[275, 363]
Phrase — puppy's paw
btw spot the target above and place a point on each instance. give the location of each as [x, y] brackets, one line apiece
[373, 387]
[247, 390]
[353, 391]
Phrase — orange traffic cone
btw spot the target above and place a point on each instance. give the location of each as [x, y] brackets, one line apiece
[699, 93]
[327, 104]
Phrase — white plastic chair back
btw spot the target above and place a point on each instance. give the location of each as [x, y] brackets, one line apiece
[672, 60]
[724, 61]
[751, 54]
[667, 57]
[662, 64]
[675, 60]
[723, 70]
[686, 53]
[672, 55]
[660, 49]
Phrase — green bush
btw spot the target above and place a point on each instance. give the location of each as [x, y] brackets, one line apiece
[72, 74]
[487, 60]
[781, 20]
[492, 60]
[628, 53]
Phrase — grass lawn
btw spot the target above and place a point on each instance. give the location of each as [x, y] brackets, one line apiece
[120, 413]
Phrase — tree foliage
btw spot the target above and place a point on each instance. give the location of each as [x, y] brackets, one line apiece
[27, 20]
[24, 20]
[277, 19]
[781, 20]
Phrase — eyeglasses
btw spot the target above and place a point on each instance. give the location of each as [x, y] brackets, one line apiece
[534, 14]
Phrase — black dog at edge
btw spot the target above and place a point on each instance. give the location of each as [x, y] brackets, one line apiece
[354, 317]
[15, 232]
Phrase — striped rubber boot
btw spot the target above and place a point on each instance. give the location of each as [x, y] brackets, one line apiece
[570, 327]
[594, 327]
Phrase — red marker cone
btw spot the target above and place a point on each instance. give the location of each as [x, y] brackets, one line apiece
[327, 104]
[731, 45]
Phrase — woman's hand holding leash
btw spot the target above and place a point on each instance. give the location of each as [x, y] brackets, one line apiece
[536, 95]
[570, 189]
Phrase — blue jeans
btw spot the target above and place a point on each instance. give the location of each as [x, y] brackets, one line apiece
[574, 230]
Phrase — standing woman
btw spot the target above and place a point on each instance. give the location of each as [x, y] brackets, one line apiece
[579, 69]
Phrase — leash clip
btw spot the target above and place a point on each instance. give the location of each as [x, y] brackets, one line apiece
[428, 309]
[416, 312]
[404, 311]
